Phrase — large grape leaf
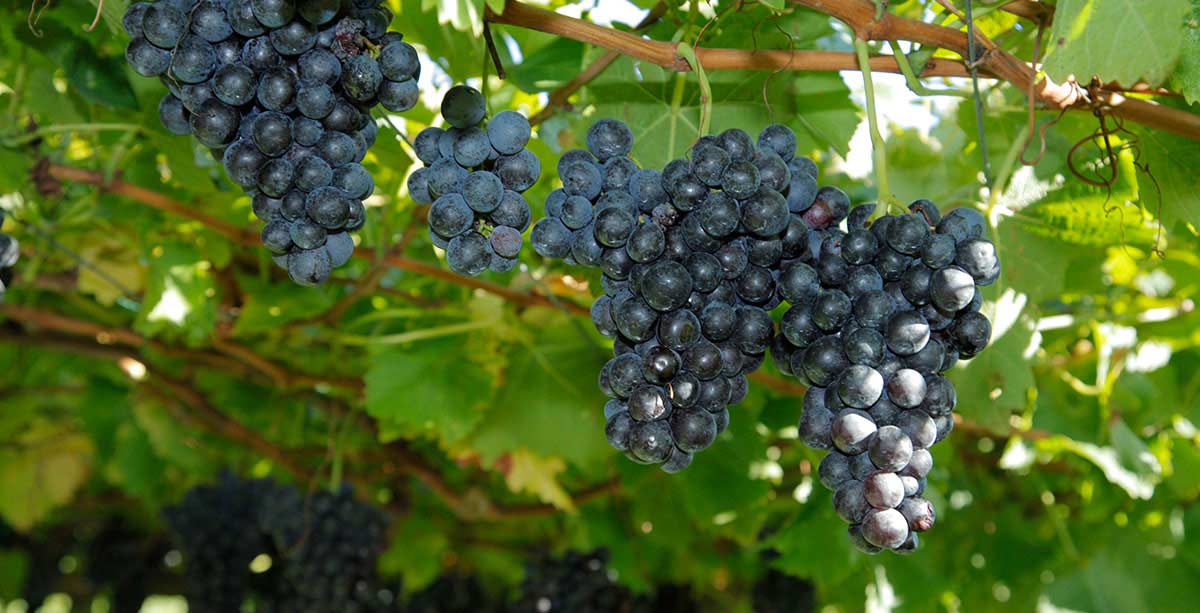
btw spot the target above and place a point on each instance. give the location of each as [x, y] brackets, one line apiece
[1117, 40]
[1128, 576]
[98, 78]
[549, 402]
[1173, 161]
[1186, 79]
[427, 389]
[42, 472]
[995, 384]
[664, 107]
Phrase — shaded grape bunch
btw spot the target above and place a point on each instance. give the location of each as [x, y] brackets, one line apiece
[214, 528]
[281, 92]
[454, 593]
[328, 545]
[575, 583]
[10, 252]
[878, 313]
[473, 177]
[124, 560]
[689, 258]
[778, 592]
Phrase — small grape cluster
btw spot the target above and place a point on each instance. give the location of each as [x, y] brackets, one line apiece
[689, 259]
[215, 529]
[281, 92]
[327, 545]
[10, 252]
[878, 313]
[473, 178]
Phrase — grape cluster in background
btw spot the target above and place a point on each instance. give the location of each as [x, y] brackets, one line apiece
[10, 252]
[324, 548]
[281, 92]
[473, 177]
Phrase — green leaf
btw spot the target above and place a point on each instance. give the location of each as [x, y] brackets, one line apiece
[427, 389]
[179, 294]
[1127, 464]
[269, 305]
[14, 568]
[995, 384]
[1118, 40]
[1173, 161]
[544, 398]
[41, 473]
[418, 544]
[1186, 79]
[548, 67]
[665, 107]
[814, 542]
[98, 78]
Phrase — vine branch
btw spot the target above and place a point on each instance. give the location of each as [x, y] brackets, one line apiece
[860, 16]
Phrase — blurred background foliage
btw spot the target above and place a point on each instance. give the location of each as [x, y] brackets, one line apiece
[142, 350]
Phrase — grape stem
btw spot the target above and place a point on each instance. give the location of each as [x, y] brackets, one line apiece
[689, 54]
[27, 137]
[911, 79]
[878, 148]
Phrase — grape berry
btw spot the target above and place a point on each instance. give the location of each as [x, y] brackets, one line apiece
[10, 252]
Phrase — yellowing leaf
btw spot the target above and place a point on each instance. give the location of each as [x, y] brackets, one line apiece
[40, 473]
[538, 476]
[110, 261]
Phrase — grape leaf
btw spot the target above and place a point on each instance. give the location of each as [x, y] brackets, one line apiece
[98, 78]
[527, 472]
[269, 305]
[37, 477]
[993, 385]
[664, 107]
[1098, 37]
[427, 389]
[1173, 161]
[557, 411]
[1186, 79]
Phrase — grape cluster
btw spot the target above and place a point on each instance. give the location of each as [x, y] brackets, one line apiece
[689, 258]
[10, 252]
[215, 529]
[473, 177]
[453, 593]
[574, 583]
[778, 592]
[878, 313]
[123, 559]
[323, 547]
[327, 545]
[281, 92]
